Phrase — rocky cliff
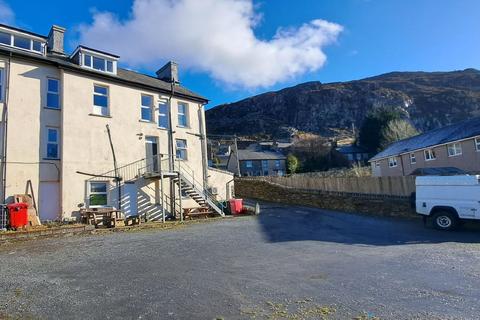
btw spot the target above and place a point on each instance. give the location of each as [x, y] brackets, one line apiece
[430, 99]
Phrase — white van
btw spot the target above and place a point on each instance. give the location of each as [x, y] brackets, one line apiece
[448, 199]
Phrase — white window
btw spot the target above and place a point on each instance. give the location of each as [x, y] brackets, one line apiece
[249, 164]
[429, 154]
[477, 144]
[100, 100]
[53, 93]
[1, 83]
[181, 149]
[21, 42]
[97, 63]
[454, 149]
[182, 114]
[392, 162]
[98, 194]
[146, 109]
[377, 164]
[163, 121]
[413, 160]
[52, 149]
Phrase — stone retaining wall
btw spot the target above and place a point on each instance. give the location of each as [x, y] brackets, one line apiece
[263, 190]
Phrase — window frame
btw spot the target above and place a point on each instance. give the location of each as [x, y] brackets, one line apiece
[54, 93]
[456, 147]
[90, 193]
[183, 149]
[91, 64]
[248, 164]
[392, 162]
[413, 158]
[184, 114]
[56, 143]
[149, 107]
[432, 156]
[477, 144]
[162, 114]
[107, 95]
[277, 164]
[31, 41]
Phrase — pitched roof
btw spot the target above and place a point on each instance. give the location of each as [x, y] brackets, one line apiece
[123, 75]
[458, 131]
[246, 154]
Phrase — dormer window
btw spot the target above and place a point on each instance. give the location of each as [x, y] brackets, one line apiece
[96, 60]
[21, 40]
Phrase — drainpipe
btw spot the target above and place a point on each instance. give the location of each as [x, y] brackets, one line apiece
[5, 127]
[171, 156]
[203, 141]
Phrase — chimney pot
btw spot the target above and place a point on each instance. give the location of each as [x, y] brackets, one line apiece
[169, 73]
[55, 40]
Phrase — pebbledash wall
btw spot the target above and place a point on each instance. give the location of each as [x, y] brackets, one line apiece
[260, 189]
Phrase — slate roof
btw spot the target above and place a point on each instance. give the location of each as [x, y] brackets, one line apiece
[458, 131]
[123, 75]
[247, 154]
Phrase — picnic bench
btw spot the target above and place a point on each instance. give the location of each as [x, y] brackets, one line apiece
[108, 217]
[190, 213]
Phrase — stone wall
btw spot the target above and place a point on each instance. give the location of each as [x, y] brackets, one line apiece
[375, 205]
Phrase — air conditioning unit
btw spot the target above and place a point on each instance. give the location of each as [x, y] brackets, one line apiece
[214, 190]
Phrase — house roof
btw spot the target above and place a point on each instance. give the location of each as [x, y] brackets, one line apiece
[458, 131]
[123, 75]
[247, 154]
[351, 149]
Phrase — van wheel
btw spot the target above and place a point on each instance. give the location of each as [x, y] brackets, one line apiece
[444, 220]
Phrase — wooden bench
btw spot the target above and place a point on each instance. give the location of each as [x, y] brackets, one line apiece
[102, 217]
[195, 212]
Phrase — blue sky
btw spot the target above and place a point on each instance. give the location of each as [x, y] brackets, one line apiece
[363, 38]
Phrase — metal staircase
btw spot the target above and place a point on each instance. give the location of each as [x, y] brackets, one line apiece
[159, 167]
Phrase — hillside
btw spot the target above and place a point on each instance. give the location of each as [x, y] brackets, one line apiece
[431, 99]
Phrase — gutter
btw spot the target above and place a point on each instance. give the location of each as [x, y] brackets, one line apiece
[65, 65]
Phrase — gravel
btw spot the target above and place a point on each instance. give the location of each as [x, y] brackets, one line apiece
[288, 263]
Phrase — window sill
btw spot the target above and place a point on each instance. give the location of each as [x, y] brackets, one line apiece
[162, 128]
[430, 159]
[146, 121]
[184, 127]
[51, 159]
[51, 108]
[99, 115]
[454, 155]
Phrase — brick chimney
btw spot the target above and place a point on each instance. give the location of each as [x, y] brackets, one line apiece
[169, 73]
[55, 40]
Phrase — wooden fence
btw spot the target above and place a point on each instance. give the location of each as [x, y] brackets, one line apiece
[390, 186]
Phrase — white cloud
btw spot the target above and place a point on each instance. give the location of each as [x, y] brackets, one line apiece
[213, 36]
[7, 16]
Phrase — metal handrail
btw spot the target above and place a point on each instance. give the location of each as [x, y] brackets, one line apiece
[209, 197]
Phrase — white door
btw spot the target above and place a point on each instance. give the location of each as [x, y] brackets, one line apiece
[129, 199]
[49, 201]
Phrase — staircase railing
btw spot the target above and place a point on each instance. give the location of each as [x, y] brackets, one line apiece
[134, 170]
[187, 174]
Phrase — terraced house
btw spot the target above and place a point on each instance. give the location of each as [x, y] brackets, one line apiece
[450, 147]
[58, 111]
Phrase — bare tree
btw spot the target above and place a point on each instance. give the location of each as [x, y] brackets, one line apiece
[395, 130]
